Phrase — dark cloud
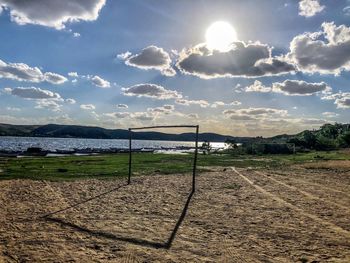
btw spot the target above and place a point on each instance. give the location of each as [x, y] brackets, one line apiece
[151, 57]
[34, 93]
[299, 87]
[52, 13]
[325, 52]
[243, 60]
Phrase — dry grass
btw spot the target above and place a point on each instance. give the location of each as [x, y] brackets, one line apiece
[331, 165]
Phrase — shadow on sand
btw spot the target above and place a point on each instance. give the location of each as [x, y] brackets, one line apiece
[136, 241]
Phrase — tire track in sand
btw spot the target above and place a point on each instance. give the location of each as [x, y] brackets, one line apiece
[302, 181]
[308, 195]
[297, 209]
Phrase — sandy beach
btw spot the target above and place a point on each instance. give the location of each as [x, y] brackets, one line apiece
[236, 215]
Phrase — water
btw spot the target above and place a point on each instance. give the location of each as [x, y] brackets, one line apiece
[9, 143]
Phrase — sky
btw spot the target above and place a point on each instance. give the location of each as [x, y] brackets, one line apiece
[241, 68]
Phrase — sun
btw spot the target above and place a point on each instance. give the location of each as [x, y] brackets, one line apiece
[220, 35]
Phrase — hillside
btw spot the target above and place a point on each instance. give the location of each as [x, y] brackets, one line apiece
[75, 131]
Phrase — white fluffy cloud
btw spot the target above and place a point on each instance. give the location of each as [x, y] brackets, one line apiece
[242, 60]
[100, 82]
[151, 57]
[151, 91]
[257, 86]
[217, 104]
[325, 52]
[33, 93]
[52, 13]
[48, 104]
[73, 74]
[310, 8]
[23, 72]
[87, 106]
[54, 78]
[186, 102]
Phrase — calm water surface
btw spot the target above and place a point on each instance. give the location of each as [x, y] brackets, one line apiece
[51, 144]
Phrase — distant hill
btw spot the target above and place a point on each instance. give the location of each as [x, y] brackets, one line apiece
[75, 131]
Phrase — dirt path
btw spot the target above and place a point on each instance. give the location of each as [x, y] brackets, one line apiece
[232, 217]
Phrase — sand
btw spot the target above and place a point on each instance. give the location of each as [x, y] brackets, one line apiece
[235, 215]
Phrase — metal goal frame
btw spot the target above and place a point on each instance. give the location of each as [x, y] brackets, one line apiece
[161, 127]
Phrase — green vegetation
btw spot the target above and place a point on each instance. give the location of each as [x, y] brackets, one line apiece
[116, 165]
[329, 137]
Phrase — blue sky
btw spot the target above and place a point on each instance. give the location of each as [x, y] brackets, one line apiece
[118, 64]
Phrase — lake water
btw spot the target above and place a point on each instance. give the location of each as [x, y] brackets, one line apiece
[51, 144]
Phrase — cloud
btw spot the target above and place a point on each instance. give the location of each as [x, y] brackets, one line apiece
[290, 87]
[122, 106]
[73, 74]
[193, 115]
[13, 109]
[151, 91]
[346, 10]
[71, 101]
[99, 82]
[33, 93]
[165, 109]
[52, 13]
[343, 103]
[324, 52]
[257, 86]
[217, 104]
[87, 106]
[23, 72]
[310, 8]
[254, 113]
[330, 114]
[54, 78]
[48, 104]
[242, 60]
[142, 116]
[151, 57]
[341, 99]
[75, 34]
[300, 88]
[119, 115]
[186, 102]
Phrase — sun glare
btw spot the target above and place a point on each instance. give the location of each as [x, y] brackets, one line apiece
[220, 35]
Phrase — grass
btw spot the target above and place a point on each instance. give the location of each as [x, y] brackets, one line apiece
[116, 165]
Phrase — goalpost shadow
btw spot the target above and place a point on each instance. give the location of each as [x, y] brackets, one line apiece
[136, 241]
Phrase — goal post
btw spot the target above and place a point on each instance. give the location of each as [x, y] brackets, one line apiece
[168, 126]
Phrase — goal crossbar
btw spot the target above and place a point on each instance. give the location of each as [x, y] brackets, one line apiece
[168, 126]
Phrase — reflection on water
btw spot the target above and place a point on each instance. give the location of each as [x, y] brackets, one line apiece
[65, 144]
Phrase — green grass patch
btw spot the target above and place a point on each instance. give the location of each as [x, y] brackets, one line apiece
[116, 165]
